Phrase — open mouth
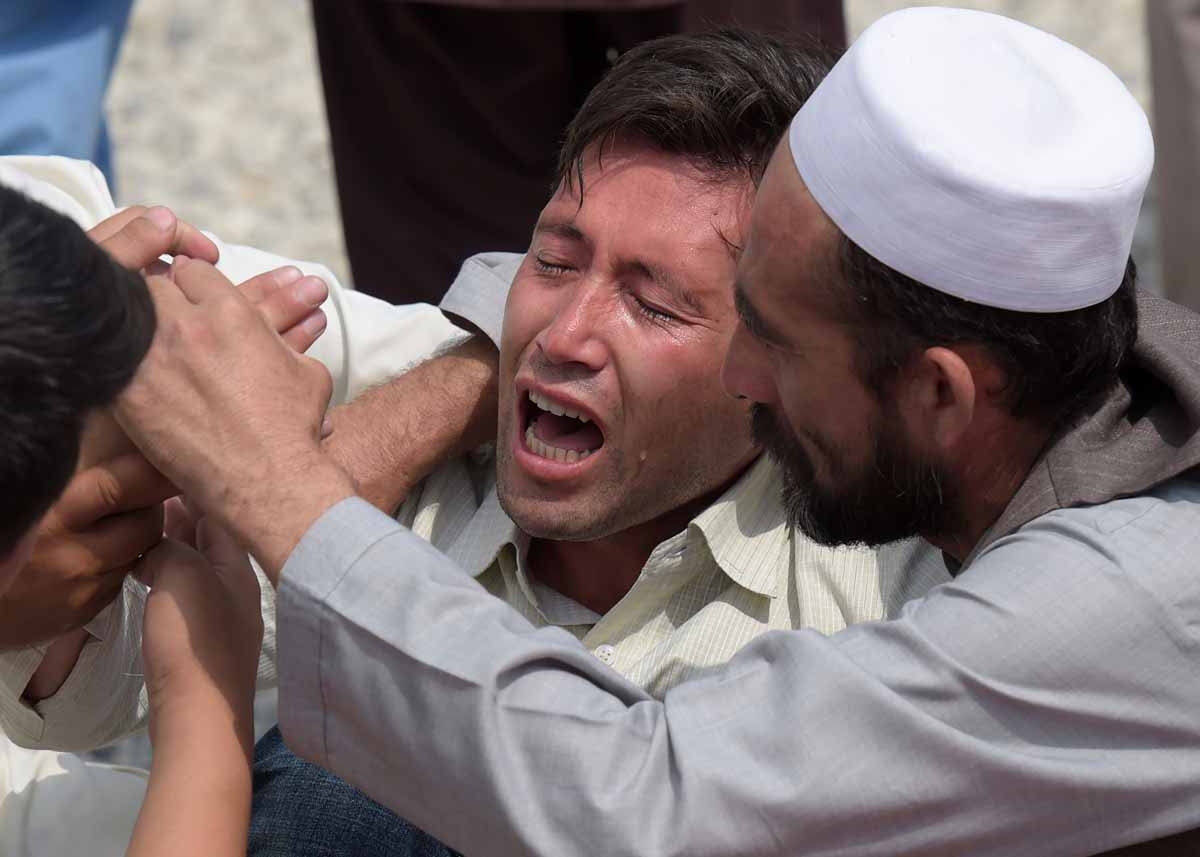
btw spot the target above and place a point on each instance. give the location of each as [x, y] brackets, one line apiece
[558, 432]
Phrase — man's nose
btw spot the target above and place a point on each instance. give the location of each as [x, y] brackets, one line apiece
[746, 373]
[573, 336]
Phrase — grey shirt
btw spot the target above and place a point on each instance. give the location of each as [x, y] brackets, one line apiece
[1046, 702]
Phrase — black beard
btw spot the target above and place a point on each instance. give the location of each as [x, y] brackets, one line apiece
[895, 496]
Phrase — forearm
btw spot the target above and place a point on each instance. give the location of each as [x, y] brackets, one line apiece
[198, 800]
[393, 436]
[919, 735]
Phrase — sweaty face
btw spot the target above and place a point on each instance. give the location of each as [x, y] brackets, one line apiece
[850, 473]
[611, 407]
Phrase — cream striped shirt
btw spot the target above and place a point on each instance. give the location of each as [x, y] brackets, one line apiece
[736, 571]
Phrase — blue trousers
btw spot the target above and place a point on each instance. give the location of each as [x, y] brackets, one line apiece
[300, 810]
[56, 58]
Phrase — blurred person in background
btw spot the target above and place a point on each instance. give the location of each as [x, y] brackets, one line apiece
[445, 116]
[56, 58]
[1174, 30]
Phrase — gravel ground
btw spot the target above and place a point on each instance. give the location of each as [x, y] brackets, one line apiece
[216, 110]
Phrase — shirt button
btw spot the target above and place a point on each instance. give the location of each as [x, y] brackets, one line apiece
[605, 653]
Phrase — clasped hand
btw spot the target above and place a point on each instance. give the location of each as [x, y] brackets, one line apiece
[111, 511]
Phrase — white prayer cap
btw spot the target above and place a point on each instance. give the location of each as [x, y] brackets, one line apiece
[979, 156]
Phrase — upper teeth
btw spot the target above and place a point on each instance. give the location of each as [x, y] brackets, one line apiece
[554, 408]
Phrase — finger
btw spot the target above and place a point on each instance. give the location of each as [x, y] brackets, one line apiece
[118, 540]
[166, 554]
[326, 427]
[284, 308]
[155, 233]
[258, 287]
[321, 381]
[219, 547]
[169, 303]
[157, 268]
[121, 484]
[300, 337]
[199, 281]
[179, 522]
[110, 226]
[145, 570]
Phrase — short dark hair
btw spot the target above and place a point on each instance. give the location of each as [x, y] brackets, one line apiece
[74, 325]
[1057, 365]
[722, 99]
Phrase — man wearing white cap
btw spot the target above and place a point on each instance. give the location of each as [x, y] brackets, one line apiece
[942, 334]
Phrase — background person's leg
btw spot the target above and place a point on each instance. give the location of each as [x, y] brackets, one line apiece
[823, 19]
[56, 57]
[445, 122]
[301, 810]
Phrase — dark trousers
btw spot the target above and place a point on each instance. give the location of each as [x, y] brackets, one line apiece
[445, 120]
[301, 810]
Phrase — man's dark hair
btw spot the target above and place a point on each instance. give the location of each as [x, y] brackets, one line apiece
[1057, 365]
[74, 325]
[722, 99]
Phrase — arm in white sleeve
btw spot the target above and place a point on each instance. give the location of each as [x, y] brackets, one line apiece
[1043, 703]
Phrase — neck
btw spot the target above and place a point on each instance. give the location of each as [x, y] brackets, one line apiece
[598, 573]
[987, 482]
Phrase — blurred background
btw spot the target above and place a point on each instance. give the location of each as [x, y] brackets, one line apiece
[216, 109]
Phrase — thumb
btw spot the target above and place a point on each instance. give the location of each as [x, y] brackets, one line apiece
[158, 561]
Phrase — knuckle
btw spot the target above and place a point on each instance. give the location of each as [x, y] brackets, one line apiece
[193, 331]
[141, 531]
[321, 379]
[109, 492]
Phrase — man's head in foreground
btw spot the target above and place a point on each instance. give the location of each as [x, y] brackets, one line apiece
[75, 327]
[611, 409]
[937, 277]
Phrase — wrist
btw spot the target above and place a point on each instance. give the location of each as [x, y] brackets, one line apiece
[279, 508]
[185, 722]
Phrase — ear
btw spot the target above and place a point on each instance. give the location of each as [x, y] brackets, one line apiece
[938, 396]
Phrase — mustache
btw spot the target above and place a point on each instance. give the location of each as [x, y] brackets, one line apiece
[768, 431]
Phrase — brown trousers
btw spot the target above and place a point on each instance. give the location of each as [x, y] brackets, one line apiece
[445, 120]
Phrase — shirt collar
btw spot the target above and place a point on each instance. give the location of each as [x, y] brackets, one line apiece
[485, 535]
[745, 531]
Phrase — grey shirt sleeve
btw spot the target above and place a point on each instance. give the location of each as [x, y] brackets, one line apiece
[1043, 703]
[480, 291]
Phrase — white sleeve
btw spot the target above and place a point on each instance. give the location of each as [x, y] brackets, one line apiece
[367, 341]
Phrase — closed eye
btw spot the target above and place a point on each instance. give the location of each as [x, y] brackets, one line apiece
[550, 268]
[654, 313]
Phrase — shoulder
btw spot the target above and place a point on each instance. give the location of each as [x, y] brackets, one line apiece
[1138, 533]
[1131, 561]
